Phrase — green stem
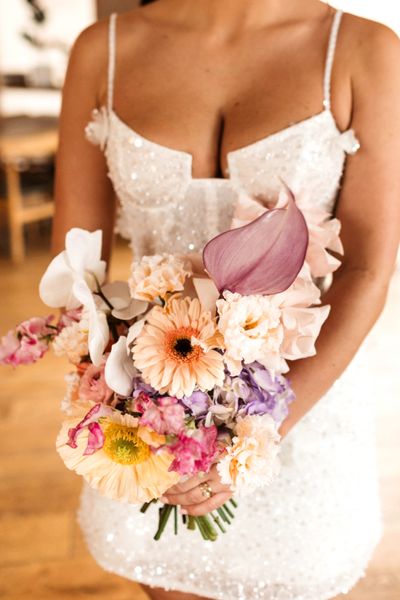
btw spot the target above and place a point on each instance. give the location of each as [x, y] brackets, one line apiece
[233, 502]
[191, 523]
[164, 513]
[201, 527]
[176, 520]
[223, 515]
[228, 510]
[145, 506]
[210, 528]
[218, 523]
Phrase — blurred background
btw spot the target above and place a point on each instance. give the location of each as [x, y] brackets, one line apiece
[42, 553]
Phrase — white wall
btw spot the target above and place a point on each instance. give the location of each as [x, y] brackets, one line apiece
[385, 11]
[66, 18]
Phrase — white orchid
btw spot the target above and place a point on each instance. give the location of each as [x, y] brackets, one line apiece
[98, 332]
[124, 306]
[119, 370]
[80, 261]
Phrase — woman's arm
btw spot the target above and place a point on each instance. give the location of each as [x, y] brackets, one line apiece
[369, 210]
[84, 195]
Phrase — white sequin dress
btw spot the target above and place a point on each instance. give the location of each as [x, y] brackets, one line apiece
[310, 535]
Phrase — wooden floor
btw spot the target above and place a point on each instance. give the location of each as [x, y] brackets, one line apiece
[43, 556]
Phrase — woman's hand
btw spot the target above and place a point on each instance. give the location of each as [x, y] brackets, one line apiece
[190, 496]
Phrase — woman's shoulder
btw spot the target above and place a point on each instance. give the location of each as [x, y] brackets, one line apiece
[366, 38]
[89, 55]
[92, 43]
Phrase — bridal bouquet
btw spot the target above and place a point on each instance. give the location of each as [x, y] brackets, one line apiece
[175, 371]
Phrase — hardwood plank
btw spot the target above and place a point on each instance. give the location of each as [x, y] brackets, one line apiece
[35, 537]
[77, 578]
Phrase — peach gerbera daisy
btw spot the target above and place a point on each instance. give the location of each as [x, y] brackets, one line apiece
[176, 349]
[124, 468]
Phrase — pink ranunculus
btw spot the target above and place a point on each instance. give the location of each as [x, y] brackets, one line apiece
[194, 453]
[93, 385]
[164, 417]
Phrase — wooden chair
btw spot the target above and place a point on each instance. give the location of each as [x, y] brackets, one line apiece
[24, 140]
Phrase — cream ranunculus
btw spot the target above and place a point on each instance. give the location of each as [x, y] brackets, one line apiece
[252, 460]
[252, 330]
[71, 342]
[157, 276]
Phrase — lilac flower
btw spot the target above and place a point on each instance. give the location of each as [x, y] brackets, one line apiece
[255, 391]
[198, 403]
[140, 387]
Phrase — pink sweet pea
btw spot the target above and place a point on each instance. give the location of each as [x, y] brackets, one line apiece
[194, 453]
[90, 421]
[28, 342]
[93, 385]
[9, 347]
[164, 417]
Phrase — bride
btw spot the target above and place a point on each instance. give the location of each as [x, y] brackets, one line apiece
[197, 103]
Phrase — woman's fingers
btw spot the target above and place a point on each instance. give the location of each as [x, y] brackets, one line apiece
[202, 508]
[194, 495]
[185, 486]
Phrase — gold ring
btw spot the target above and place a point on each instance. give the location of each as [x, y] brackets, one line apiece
[206, 490]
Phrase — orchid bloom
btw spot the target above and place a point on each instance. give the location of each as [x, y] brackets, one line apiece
[124, 306]
[80, 261]
[119, 370]
[98, 334]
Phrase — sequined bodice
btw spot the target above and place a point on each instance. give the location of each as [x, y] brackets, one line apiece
[163, 208]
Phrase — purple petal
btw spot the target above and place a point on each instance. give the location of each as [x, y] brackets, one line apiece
[262, 257]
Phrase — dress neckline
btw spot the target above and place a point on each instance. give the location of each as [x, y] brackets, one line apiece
[188, 156]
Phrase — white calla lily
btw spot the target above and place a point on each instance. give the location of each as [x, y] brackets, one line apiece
[119, 370]
[125, 307]
[99, 334]
[80, 261]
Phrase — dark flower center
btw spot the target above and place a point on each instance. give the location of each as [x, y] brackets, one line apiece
[183, 346]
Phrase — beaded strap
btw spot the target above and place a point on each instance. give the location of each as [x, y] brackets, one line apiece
[330, 57]
[111, 60]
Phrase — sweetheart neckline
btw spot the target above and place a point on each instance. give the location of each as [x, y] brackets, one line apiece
[189, 156]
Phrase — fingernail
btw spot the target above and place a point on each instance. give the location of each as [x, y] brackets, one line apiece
[184, 511]
[164, 499]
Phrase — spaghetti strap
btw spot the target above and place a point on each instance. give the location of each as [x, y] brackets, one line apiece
[330, 57]
[111, 60]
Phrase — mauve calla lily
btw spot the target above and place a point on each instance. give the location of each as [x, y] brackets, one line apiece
[263, 257]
